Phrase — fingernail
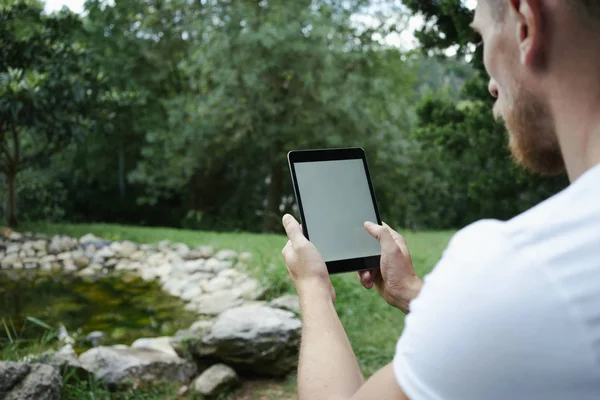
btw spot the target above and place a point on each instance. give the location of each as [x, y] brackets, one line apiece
[368, 224]
[286, 218]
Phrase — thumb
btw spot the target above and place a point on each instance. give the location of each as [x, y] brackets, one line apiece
[293, 229]
[381, 233]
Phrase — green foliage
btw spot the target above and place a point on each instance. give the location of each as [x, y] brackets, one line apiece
[46, 88]
[264, 79]
[462, 167]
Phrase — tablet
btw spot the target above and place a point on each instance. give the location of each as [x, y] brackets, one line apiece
[335, 197]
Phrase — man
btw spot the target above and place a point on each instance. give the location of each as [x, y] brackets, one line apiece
[512, 310]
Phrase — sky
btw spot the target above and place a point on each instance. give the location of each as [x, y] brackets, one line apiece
[405, 40]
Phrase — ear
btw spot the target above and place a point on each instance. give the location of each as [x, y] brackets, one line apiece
[530, 31]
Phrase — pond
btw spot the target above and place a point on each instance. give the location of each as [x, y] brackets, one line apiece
[123, 307]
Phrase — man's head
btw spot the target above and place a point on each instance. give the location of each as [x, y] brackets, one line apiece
[522, 40]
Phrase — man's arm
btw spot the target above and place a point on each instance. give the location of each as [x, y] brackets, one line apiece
[328, 368]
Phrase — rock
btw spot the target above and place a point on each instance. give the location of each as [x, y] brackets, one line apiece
[193, 266]
[13, 248]
[217, 378]
[39, 245]
[226, 255]
[17, 265]
[199, 276]
[88, 271]
[214, 265]
[181, 249]
[201, 326]
[121, 365]
[105, 252]
[245, 257]
[46, 267]
[15, 236]
[69, 265]
[251, 289]
[64, 256]
[217, 302]
[216, 284]
[194, 255]
[191, 293]
[138, 256]
[29, 381]
[89, 238]
[160, 343]
[81, 261]
[205, 251]
[175, 287]
[95, 338]
[112, 263]
[185, 340]
[164, 244]
[60, 244]
[182, 391]
[65, 360]
[48, 259]
[257, 338]
[126, 249]
[9, 260]
[288, 302]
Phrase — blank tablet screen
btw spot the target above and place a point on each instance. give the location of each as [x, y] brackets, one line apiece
[336, 201]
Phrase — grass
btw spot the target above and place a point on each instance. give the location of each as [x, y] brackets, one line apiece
[372, 326]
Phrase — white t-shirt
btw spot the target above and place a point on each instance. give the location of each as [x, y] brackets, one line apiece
[512, 310]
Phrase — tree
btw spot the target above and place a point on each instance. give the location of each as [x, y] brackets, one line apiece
[46, 88]
[465, 172]
[267, 78]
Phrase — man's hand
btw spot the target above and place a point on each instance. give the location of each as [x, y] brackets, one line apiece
[304, 263]
[395, 280]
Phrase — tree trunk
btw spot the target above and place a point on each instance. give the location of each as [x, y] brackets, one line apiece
[271, 221]
[11, 201]
[122, 184]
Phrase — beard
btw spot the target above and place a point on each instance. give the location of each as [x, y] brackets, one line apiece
[532, 135]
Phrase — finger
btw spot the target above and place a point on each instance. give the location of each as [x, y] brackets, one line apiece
[398, 238]
[366, 279]
[292, 229]
[381, 233]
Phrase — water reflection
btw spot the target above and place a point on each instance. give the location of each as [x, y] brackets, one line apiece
[124, 307]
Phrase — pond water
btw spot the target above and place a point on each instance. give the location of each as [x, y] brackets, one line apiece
[123, 307]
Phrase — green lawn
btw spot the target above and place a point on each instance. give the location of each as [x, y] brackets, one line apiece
[372, 326]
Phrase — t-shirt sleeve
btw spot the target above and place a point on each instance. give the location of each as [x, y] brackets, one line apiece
[474, 332]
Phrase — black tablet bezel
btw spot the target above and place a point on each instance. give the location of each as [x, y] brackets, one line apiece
[354, 153]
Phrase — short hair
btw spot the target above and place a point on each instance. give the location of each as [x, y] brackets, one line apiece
[588, 9]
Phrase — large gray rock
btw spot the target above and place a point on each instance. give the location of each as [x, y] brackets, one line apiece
[214, 380]
[256, 338]
[119, 365]
[29, 381]
[185, 341]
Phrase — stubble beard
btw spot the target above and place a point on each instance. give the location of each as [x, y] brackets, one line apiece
[533, 141]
